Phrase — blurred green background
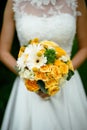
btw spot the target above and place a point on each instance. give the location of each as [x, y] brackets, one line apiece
[7, 77]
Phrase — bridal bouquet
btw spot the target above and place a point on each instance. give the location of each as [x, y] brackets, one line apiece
[44, 66]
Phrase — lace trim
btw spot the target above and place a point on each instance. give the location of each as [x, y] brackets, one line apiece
[74, 4]
[39, 2]
[42, 2]
[54, 10]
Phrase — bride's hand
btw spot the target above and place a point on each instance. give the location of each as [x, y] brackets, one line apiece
[43, 95]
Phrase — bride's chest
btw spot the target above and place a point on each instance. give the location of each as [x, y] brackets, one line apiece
[60, 25]
[59, 28]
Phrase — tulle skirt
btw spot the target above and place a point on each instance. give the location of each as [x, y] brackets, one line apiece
[67, 110]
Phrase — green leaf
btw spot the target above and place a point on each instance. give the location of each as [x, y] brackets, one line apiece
[70, 74]
[51, 55]
[17, 69]
[42, 86]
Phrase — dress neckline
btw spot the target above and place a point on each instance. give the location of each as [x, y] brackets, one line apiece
[43, 2]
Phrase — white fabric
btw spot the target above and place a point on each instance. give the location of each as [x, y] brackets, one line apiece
[59, 19]
[67, 110]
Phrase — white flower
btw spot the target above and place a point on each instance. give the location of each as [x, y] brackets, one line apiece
[64, 58]
[30, 59]
[34, 60]
[27, 74]
[22, 61]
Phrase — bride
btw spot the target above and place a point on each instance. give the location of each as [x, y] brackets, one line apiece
[59, 21]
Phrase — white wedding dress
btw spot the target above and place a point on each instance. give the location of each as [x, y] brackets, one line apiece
[67, 110]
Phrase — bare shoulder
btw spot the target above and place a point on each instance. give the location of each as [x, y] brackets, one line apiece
[8, 10]
[82, 5]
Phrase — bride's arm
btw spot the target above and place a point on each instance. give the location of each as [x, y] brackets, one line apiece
[81, 55]
[6, 40]
[7, 34]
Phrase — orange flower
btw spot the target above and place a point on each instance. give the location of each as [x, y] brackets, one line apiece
[31, 85]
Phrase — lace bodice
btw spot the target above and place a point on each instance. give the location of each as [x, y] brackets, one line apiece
[50, 21]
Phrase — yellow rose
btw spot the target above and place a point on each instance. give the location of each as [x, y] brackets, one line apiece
[60, 52]
[69, 63]
[64, 69]
[46, 68]
[50, 82]
[56, 73]
[53, 90]
[40, 76]
[47, 44]
[58, 62]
